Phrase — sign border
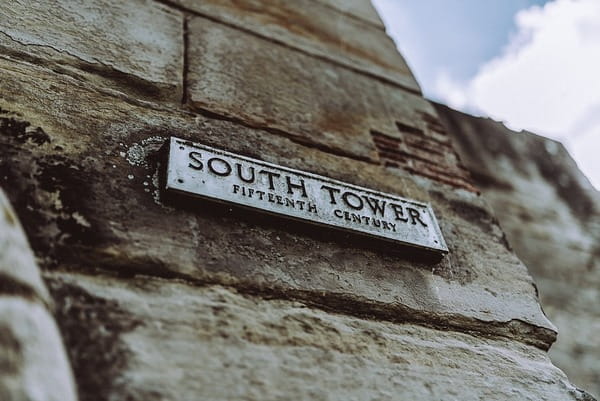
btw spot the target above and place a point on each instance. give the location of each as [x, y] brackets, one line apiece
[174, 141]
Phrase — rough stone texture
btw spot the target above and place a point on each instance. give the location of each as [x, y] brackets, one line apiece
[277, 349]
[33, 364]
[113, 42]
[342, 110]
[161, 299]
[338, 110]
[316, 29]
[19, 273]
[362, 9]
[551, 216]
[107, 149]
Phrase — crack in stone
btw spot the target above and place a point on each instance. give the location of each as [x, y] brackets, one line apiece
[58, 50]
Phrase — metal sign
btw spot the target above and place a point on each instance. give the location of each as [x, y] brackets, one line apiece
[199, 170]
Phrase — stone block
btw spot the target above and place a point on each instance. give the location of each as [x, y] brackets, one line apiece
[116, 43]
[247, 78]
[316, 29]
[182, 341]
[362, 9]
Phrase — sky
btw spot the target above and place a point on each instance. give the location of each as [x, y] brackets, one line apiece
[532, 64]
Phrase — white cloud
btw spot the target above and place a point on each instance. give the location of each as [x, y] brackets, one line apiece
[452, 92]
[547, 79]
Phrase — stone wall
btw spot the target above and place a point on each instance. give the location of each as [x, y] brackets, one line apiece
[158, 302]
[551, 216]
[33, 362]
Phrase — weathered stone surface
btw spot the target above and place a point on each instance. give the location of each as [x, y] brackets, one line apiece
[162, 299]
[100, 163]
[186, 342]
[346, 112]
[359, 8]
[551, 215]
[115, 43]
[19, 274]
[33, 365]
[244, 77]
[577, 350]
[316, 29]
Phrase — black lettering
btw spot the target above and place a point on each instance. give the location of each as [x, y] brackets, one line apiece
[399, 212]
[385, 225]
[260, 194]
[223, 173]
[271, 198]
[375, 205]
[393, 226]
[301, 204]
[366, 219]
[355, 218]
[271, 175]
[241, 176]
[338, 213]
[279, 199]
[236, 188]
[331, 191]
[195, 156]
[312, 207]
[299, 186]
[415, 215]
[290, 203]
[358, 203]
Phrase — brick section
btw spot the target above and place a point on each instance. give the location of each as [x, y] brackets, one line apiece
[430, 155]
[317, 29]
[133, 45]
[248, 78]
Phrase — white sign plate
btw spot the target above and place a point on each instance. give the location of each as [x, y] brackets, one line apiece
[202, 171]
